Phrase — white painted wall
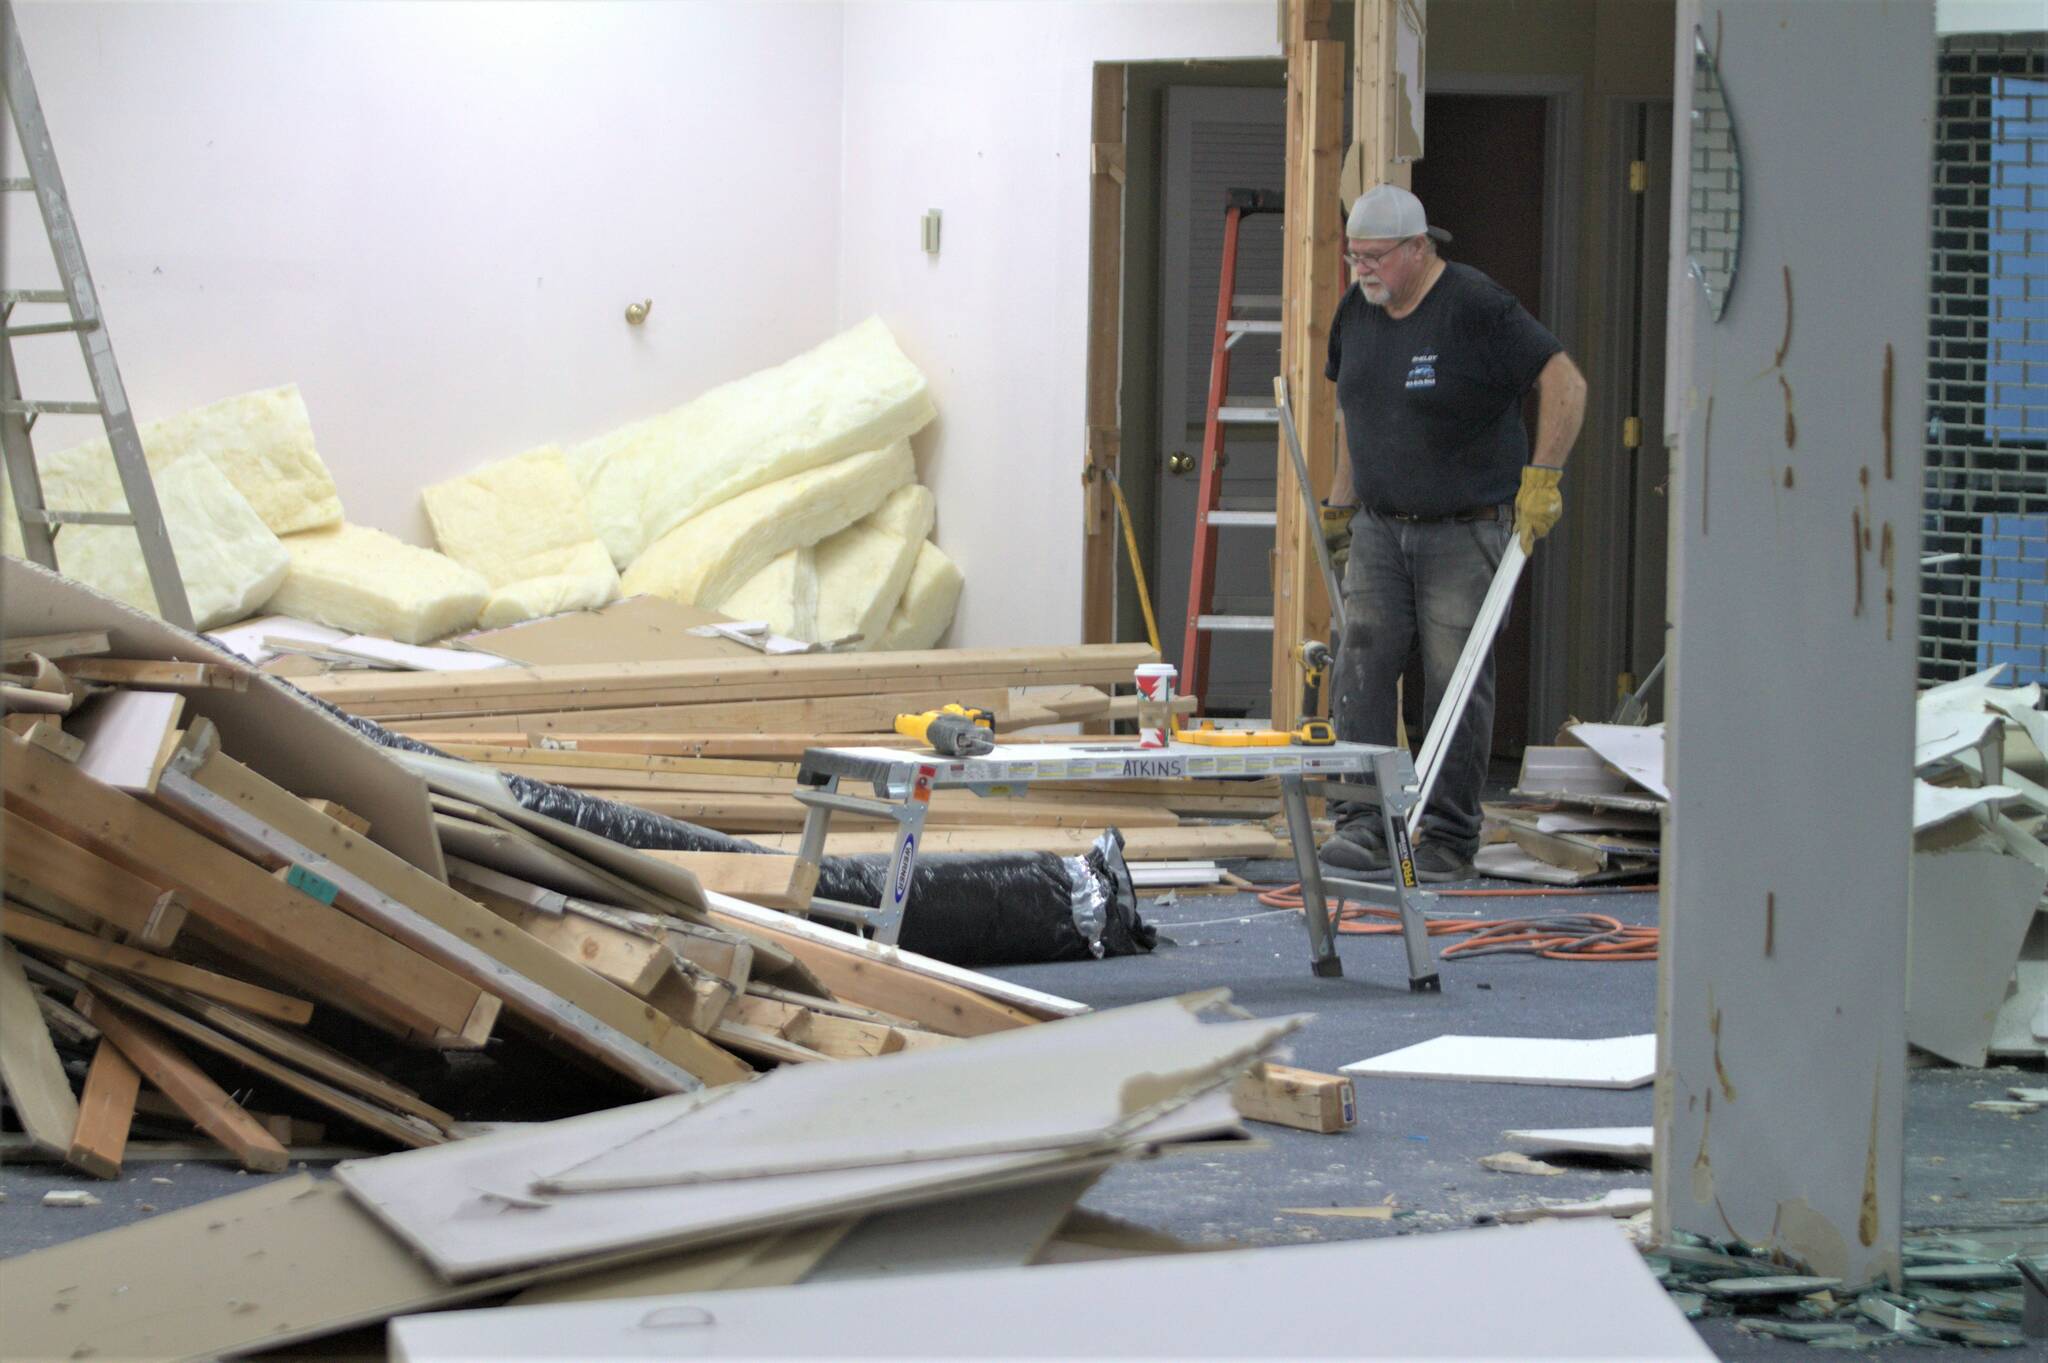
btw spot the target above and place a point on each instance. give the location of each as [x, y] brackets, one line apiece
[982, 110]
[431, 216]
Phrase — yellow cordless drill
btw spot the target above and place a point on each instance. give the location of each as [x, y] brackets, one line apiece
[952, 730]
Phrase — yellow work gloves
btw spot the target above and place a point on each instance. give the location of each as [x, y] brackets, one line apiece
[1337, 532]
[1538, 504]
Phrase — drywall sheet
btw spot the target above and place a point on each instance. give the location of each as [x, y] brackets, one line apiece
[1934, 804]
[229, 559]
[707, 557]
[306, 1261]
[1054, 1086]
[479, 1213]
[1007, 1228]
[1971, 909]
[367, 582]
[1636, 749]
[1794, 418]
[1617, 1062]
[262, 442]
[270, 727]
[515, 519]
[1942, 732]
[1620, 1142]
[855, 392]
[1260, 1303]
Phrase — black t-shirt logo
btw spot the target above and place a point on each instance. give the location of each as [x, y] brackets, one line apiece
[1422, 371]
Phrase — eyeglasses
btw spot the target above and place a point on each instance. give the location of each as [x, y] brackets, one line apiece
[1361, 259]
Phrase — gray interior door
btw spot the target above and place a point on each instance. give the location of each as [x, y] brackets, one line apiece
[1218, 139]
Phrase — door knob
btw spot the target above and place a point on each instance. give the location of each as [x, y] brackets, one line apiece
[1179, 462]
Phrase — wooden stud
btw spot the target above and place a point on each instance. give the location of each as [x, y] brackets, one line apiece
[1102, 455]
[576, 1006]
[874, 983]
[38, 859]
[148, 674]
[634, 963]
[354, 822]
[773, 882]
[1302, 1099]
[77, 644]
[294, 935]
[559, 686]
[1313, 271]
[204, 1102]
[34, 1076]
[106, 1109]
[77, 946]
[411, 1132]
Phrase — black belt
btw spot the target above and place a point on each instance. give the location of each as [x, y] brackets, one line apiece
[1471, 513]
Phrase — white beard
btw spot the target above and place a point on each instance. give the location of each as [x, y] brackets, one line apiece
[1379, 295]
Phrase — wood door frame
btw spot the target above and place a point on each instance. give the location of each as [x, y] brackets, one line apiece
[1101, 459]
[1609, 598]
[1563, 186]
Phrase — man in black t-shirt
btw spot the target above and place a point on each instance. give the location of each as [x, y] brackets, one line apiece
[1431, 362]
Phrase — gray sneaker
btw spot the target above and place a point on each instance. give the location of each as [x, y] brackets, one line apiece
[1436, 863]
[1351, 853]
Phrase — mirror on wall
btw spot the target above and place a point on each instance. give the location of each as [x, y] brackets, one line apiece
[1714, 210]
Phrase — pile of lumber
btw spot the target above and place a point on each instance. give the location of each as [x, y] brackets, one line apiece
[178, 919]
[715, 742]
[973, 1154]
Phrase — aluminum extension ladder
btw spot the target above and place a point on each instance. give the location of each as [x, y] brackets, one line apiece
[77, 296]
[1224, 411]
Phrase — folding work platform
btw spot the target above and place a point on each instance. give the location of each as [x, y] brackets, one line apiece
[903, 782]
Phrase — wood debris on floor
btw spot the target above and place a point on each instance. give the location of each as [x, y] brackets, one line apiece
[965, 1156]
[207, 880]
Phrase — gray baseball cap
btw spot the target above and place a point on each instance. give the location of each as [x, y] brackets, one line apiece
[1385, 212]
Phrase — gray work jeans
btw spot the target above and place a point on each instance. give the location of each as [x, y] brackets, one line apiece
[1411, 581]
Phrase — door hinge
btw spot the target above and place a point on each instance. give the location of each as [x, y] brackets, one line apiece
[1638, 176]
[1631, 432]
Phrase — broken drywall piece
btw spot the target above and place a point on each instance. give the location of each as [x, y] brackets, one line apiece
[1232, 1304]
[450, 1212]
[262, 442]
[230, 561]
[519, 518]
[1621, 1062]
[1971, 909]
[1515, 1162]
[925, 611]
[1635, 749]
[1007, 1228]
[1934, 805]
[1617, 1142]
[1617, 1202]
[1941, 733]
[857, 391]
[367, 582]
[992, 1096]
[710, 556]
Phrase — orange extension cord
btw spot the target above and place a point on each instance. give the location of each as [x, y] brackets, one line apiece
[1557, 937]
